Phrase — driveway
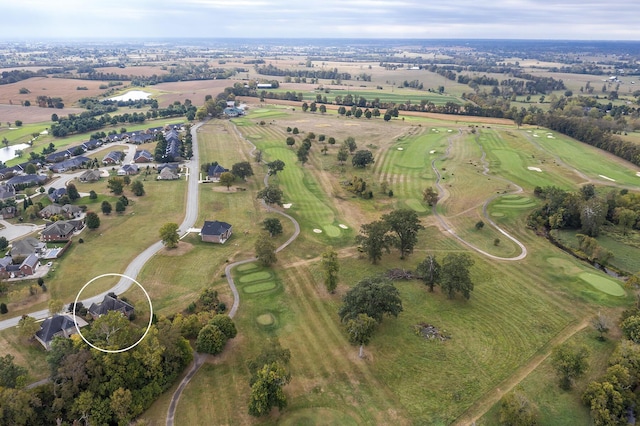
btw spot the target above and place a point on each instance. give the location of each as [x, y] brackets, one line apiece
[13, 232]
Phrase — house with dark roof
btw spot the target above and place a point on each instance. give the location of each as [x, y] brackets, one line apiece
[140, 138]
[232, 112]
[58, 156]
[7, 191]
[70, 164]
[142, 156]
[90, 176]
[114, 157]
[215, 232]
[8, 212]
[5, 262]
[30, 265]
[214, 172]
[128, 169]
[61, 230]
[27, 180]
[58, 326]
[91, 144]
[21, 249]
[56, 193]
[108, 304]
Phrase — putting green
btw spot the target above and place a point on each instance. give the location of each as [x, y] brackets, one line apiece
[332, 231]
[266, 319]
[519, 200]
[260, 287]
[317, 416]
[497, 214]
[416, 205]
[255, 276]
[603, 284]
[515, 206]
[247, 267]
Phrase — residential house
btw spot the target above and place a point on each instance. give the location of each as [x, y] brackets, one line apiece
[140, 138]
[27, 180]
[215, 232]
[7, 191]
[142, 156]
[58, 156]
[61, 230]
[128, 169]
[214, 172]
[90, 176]
[233, 112]
[91, 144]
[70, 164]
[58, 326]
[5, 263]
[110, 303]
[21, 249]
[168, 174]
[55, 194]
[30, 265]
[68, 211]
[114, 157]
[8, 212]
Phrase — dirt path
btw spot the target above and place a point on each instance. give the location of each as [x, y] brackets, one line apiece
[489, 399]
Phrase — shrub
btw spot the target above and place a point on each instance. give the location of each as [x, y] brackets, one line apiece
[3, 308]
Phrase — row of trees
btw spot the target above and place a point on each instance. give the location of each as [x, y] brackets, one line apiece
[398, 228]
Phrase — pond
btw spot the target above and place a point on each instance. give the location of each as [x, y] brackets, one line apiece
[133, 95]
[9, 152]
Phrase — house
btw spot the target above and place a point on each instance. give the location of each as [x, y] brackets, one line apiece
[55, 194]
[70, 164]
[27, 180]
[7, 191]
[8, 212]
[108, 304]
[58, 156]
[21, 249]
[214, 172]
[127, 170]
[233, 112]
[114, 157]
[264, 86]
[140, 138]
[30, 265]
[142, 156]
[5, 263]
[57, 326]
[215, 232]
[91, 144]
[61, 230]
[90, 176]
[168, 174]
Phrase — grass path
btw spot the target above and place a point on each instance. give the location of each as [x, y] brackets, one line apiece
[484, 404]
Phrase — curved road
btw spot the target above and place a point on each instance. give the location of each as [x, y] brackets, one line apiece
[200, 358]
[450, 230]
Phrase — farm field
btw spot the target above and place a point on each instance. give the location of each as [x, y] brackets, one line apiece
[516, 310]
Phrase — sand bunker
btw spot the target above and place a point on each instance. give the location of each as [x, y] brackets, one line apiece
[317, 231]
[535, 169]
[536, 136]
[607, 178]
[433, 151]
[449, 130]
[638, 174]
[400, 149]
[287, 206]
[343, 226]
[550, 137]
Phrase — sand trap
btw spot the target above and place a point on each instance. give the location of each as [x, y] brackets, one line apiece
[449, 130]
[433, 130]
[550, 137]
[400, 149]
[536, 136]
[433, 151]
[638, 174]
[44, 132]
[528, 131]
[535, 169]
[317, 231]
[343, 226]
[607, 178]
[287, 206]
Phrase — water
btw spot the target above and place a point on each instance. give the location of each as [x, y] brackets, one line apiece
[133, 95]
[8, 153]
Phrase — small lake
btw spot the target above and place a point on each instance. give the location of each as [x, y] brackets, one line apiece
[133, 95]
[9, 153]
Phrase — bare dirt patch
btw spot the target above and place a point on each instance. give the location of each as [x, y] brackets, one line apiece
[64, 88]
[183, 248]
[193, 90]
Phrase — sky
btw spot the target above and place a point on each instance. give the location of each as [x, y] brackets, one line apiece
[430, 19]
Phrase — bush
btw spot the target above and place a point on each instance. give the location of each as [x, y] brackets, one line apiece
[40, 282]
[3, 308]
[211, 340]
[225, 324]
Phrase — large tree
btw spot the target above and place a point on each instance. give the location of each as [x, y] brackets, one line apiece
[570, 362]
[92, 220]
[429, 271]
[362, 158]
[56, 306]
[266, 389]
[169, 234]
[275, 166]
[242, 170]
[115, 185]
[592, 215]
[374, 296]
[517, 410]
[343, 154]
[11, 375]
[272, 225]
[227, 178]
[137, 188]
[211, 340]
[106, 207]
[72, 192]
[430, 196]
[330, 267]
[455, 275]
[271, 195]
[360, 330]
[405, 225]
[374, 238]
[265, 250]
[27, 327]
[350, 143]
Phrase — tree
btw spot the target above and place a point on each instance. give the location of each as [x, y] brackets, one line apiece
[331, 140]
[601, 324]
[350, 143]
[169, 234]
[137, 188]
[430, 196]
[272, 225]
[275, 166]
[266, 389]
[92, 220]
[265, 250]
[11, 375]
[517, 410]
[30, 169]
[106, 207]
[479, 225]
[3, 308]
[242, 170]
[271, 195]
[56, 306]
[362, 158]
[27, 327]
[592, 216]
[626, 218]
[360, 330]
[120, 207]
[227, 178]
[121, 405]
[387, 116]
[374, 296]
[93, 195]
[225, 324]
[374, 238]
[331, 267]
[72, 192]
[291, 141]
[303, 154]
[343, 154]
[404, 223]
[454, 275]
[211, 340]
[429, 271]
[606, 403]
[570, 362]
[4, 243]
[115, 185]
[113, 331]
[631, 328]
[323, 109]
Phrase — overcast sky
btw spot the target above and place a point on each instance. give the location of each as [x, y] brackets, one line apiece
[510, 19]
